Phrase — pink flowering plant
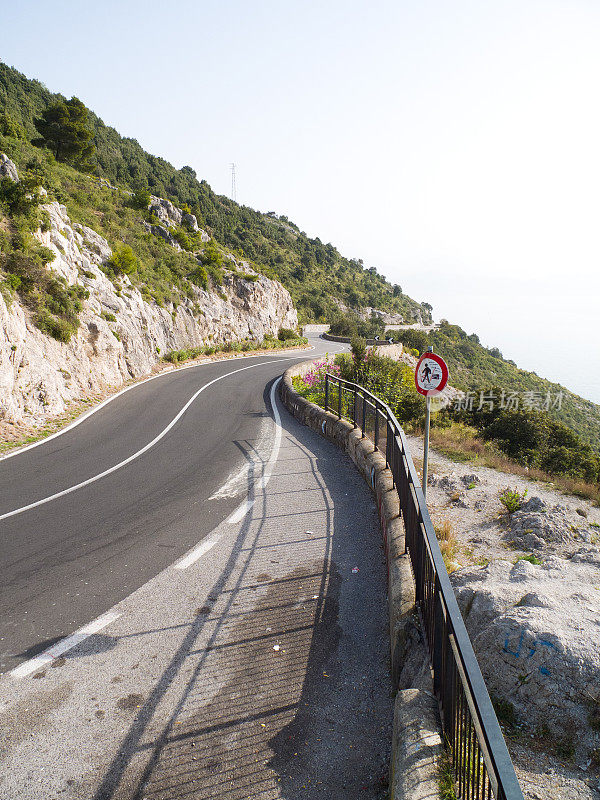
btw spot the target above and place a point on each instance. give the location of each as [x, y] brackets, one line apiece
[312, 384]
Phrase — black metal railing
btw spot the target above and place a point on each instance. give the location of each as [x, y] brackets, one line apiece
[481, 763]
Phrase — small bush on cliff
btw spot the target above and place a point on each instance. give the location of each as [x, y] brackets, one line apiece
[199, 276]
[57, 327]
[54, 303]
[123, 262]
[182, 238]
[140, 199]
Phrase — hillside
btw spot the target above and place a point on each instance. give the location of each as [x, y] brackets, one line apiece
[315, 274]
[171, 237]
[76, 318]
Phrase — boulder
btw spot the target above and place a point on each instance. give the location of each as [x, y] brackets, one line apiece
[535, 526]
[166, 212]
[190, 220]
[536, 633]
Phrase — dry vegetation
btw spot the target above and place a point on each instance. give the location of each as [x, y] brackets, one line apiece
[460, 443]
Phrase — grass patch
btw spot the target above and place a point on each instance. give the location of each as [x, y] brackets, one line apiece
[448, 542]
[446, 777]
[244, 346]
[531, 558]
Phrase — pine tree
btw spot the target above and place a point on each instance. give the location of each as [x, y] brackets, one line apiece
[62, 129]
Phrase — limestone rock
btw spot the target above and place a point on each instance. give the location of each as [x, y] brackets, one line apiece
[535, 526]
[8, 168]
[39, 376]
[530, 627]
[191, 221]
[166, 212]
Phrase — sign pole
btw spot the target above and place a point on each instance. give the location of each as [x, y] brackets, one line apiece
[426, 445]
[426, 438]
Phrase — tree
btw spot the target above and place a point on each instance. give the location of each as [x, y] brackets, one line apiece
[123, 261]
[63, 130]
[141, 199]
[9, 127]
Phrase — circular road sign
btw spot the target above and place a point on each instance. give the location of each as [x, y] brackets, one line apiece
[431, 374]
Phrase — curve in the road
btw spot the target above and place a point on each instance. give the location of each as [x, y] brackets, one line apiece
[137, 454]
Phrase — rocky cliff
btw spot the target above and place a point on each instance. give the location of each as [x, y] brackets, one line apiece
[120, 335]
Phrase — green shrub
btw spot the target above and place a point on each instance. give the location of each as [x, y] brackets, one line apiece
[58, 328]
[123, 261]
[216, 276]
[212, 255]
[286, 333]
[512, 500]
[9, 127]
[182, 238]
[140, 199]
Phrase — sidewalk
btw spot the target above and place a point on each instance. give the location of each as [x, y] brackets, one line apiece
[261, 671]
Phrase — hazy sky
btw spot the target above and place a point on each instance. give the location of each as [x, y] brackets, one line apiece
[453, 145]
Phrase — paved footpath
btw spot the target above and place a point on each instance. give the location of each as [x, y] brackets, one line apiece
[259, 670]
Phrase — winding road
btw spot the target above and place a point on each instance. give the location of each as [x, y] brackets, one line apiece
[66, 561]
[193, 602]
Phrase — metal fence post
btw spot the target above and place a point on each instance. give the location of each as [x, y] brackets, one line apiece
[364, 414]
[326, 392]
[339, 399]
[376, 425]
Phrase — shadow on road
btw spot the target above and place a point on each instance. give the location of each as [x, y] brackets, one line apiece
[289, 695]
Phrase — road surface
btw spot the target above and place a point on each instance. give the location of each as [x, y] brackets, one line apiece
[231, 560]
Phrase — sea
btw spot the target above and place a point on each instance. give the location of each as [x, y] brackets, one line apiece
[556, 337]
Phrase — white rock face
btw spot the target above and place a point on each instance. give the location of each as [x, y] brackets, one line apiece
[7, 168]
[536, 633]
[39, 375]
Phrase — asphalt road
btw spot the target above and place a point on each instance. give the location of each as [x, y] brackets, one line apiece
[67, 561]
[256, 667]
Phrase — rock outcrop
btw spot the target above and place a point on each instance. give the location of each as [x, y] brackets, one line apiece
[7, 168]
[121, 335]
[536, 632]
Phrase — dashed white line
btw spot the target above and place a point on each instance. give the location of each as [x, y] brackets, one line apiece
[240, 512]
[27, 667]
[197, 552]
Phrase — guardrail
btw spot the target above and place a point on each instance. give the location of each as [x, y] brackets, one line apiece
[480, 760]
[347, 339]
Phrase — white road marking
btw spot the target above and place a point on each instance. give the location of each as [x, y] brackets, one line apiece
[240, 512]
[197, 552]
[63, 646]
[27, 667]
[237, 482]
[134, 456]
[135, 385]
[234, 484]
